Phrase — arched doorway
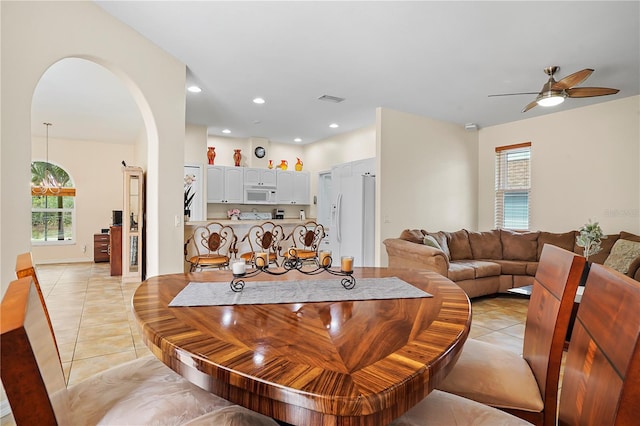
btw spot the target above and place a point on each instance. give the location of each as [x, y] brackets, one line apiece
[96, 125]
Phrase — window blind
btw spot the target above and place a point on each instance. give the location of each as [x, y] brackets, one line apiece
[513, 186]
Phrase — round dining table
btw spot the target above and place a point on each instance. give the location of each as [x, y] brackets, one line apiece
[355, 362]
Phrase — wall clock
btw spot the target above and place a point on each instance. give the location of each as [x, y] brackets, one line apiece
[260, 152]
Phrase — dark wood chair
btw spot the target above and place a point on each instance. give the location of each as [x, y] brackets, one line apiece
[210, 246]
[267, 238]
[305, 241]
[143, 391]
[25, 268]
[601, 383]
[527, 385]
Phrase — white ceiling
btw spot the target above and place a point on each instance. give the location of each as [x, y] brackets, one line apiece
[436, 59]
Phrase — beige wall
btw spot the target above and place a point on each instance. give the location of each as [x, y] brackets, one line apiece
[427, 175]
[96, 172]
[37, 34]
[585, 165]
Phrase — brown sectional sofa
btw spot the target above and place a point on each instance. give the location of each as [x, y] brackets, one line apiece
[490, 262]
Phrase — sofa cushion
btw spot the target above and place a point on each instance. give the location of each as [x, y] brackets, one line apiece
[459, 246]
[441, 238]
[512, 267]
[606, 245]
[532, 268]
[485, 245]
[459, 271]
[519, 245]
[480, 268]
[622, 254]
[565, 240]
[412, 235]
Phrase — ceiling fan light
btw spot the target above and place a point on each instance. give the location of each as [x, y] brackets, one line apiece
[550, 99]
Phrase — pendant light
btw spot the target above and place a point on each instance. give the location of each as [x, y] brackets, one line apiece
[49, 184]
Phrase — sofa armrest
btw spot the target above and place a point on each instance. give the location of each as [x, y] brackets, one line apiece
[634, 269]
[405, 254]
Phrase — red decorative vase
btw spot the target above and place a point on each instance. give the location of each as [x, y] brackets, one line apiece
[237, 156]
[211, 154]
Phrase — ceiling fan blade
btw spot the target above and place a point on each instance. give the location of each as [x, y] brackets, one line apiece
[511, 94]
[572, 79]
[586, 92]
[531, 105]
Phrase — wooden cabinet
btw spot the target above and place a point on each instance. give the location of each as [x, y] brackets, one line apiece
[259, 177]
[293, 187]
[133, 224]
[225, 184]
[115, 250]
[100, 248]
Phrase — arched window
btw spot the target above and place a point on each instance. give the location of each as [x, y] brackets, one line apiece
[52, 210]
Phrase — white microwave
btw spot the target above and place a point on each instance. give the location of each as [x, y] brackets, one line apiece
[259, 195]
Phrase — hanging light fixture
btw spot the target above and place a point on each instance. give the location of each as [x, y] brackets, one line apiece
[49, 184]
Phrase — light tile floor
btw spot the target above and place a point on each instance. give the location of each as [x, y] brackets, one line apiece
[95, 329]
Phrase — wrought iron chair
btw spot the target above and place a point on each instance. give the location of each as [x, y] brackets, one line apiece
[266, 238]
[305, 241]
[210, 246]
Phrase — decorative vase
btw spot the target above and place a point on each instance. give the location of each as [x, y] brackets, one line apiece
[299, 165]
[284, 164]
[270, 166]
[237, 156]
[211, 154]
[187, 215]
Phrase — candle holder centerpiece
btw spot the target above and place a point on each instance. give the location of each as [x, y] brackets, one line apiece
[293, 262]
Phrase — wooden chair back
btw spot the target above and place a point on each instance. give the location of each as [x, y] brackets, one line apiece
[267, 238]
[305, 240]
[25, 268]
[210, 246]
[601, 383]
[31, 371]
[554, 290]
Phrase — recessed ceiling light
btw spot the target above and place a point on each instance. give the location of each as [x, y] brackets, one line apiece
[334, 125]
[297, 140]
[194, 89]
[226, 131]
[259, 101]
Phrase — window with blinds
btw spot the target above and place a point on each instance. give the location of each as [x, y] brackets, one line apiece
[513, 186]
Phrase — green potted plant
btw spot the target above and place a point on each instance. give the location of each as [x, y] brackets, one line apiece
[590, 236]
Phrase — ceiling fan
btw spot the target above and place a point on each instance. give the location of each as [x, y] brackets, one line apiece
[554, 92]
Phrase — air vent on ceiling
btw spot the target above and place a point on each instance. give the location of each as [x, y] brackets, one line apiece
[330, 98]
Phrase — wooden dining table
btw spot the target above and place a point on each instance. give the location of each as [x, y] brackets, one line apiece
[356, 362]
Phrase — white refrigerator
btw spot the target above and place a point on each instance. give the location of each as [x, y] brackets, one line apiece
[352, 228]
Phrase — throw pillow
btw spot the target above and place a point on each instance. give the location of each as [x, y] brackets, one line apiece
[622, 254]
[431, 242]
[441, 238]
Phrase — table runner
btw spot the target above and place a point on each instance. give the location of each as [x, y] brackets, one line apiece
[266, 292]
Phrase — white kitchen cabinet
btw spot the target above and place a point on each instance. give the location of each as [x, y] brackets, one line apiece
[225, 184]
[259, 177]
[293, 187]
